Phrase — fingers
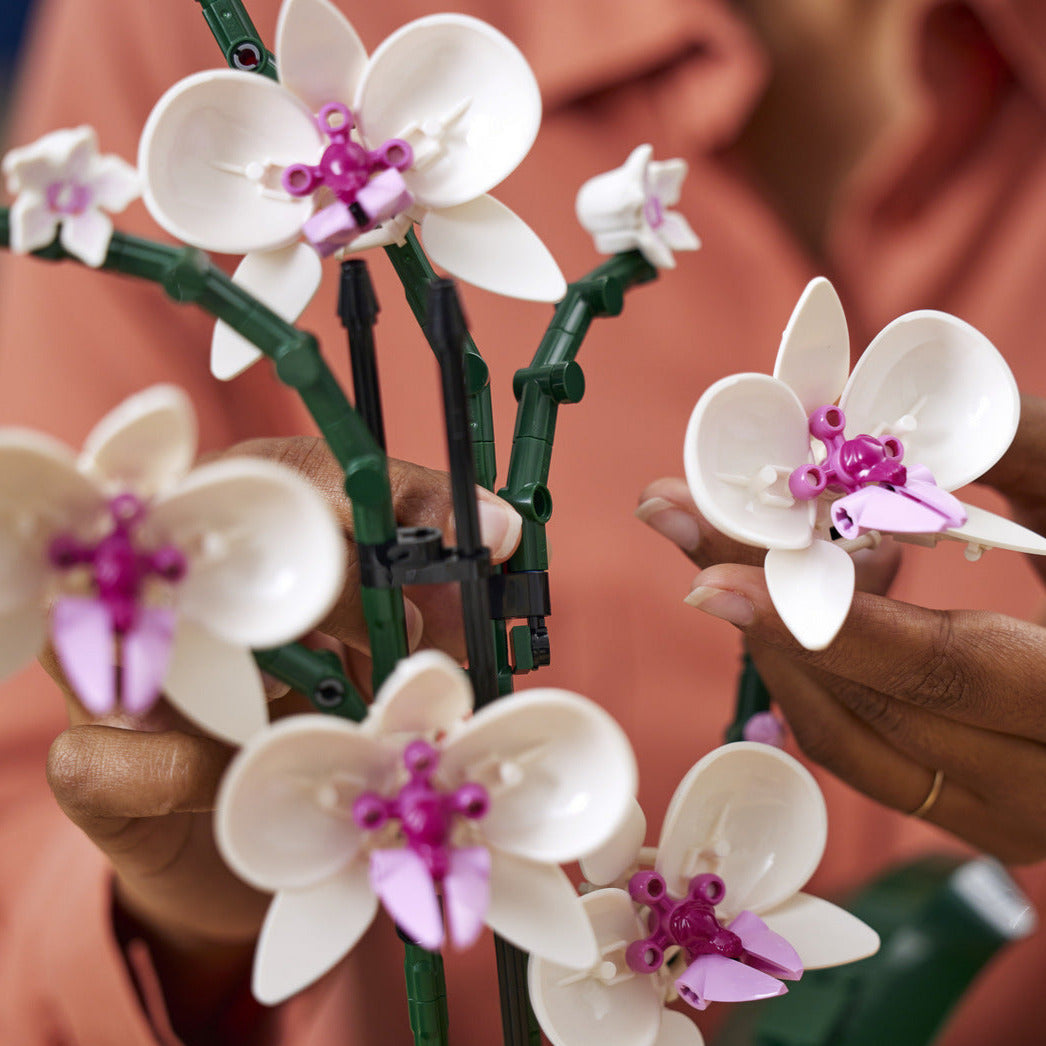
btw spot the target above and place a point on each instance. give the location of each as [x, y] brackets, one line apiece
[975, 667]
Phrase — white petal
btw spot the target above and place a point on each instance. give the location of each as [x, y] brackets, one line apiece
[620, 853]
[87, 235]
[146, 444]
[33, 223]
[23, 629]
[266, 556]
[612, 203]
[559, 771]
[745, 436]
[48, 159]
[424, 694]
[205, 140]
[462, 95]
[822, 933]
[284, 810]
[576, 1009]
[812, 589]
[285, 280]
[941, 387]
[487, 245]
[114, 183]
[753, 816]
[678, 1030]
[536, 908]
[814, 357]
[987, 530]
[216, 684]
[676, 232]
[307, 931]
[665, 180]
[319, 56]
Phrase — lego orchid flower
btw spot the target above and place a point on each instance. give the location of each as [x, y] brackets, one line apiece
[443, 111]
[627, 209]
[931, 405]
[332, 816]
[720, 917]
[172, 575]
[60, 181]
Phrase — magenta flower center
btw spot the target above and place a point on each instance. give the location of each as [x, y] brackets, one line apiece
[68, 197]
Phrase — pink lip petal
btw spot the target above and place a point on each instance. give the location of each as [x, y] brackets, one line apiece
[466, 893]
[405, 888]
[768, 951]
[146, 650]
[714, 978]
[83, 639]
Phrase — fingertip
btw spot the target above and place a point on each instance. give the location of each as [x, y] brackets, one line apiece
[500, 525]
[415, 623]
[666, 518]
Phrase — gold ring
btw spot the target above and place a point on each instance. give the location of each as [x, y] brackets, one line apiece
[932, 796]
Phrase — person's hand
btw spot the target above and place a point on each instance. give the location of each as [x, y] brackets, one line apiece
[903, 692]
[144, 795]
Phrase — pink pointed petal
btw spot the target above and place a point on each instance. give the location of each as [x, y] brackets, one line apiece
[822, 933]
[750, 814]
[675, 230]
[306, 932]
[714, 978]
[33, 223]
[145, 445]
[145, 657]
[485, 244]
[812, 589]
[285, 280]
[890, 511]
[745, 436]
[203, 143]
[466, 894]
[87, 235]
[216, 684]
[318, 53]
[814, 357]
[266, 555]
[608, 1004]
[985, 529]
[82, 633]
[404, 886]
[23, 630]
[768, 951]
[559, 771]
[114, 183]
[620, 853]
[936, 498]
[678, 1030]
[942, 376]
[536, 907]
[462, 74]
[284, 810]
[424, 694]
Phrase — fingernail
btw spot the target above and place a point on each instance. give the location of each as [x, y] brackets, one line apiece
[670, 521]
[499, 526]
[730, 606]
[415, 624]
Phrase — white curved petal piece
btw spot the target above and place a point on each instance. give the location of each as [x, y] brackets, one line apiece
[43, 496]
[423, 694]
[23, 629]
[216, 684]
[392, 231]
[608, 1004]
[285, 280]
[678, 1030]
[812, 589]
[33, 223]
[985, 529]
[814, 357]
[306, 932]
[114, 183]
[487, 245]
[620, 853]
[821, 932]
[319, 55]
[750, 814]
[942, 388]
[461, 94]
[266, 556]
[559, 771]
[536, 908]
[86, 236]
[745, 436]
[211, 156]
[144, 445]
[284, 809]
[613, 201]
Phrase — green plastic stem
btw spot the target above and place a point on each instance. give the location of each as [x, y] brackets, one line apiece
[312, 673]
